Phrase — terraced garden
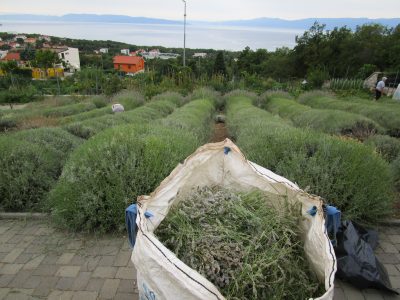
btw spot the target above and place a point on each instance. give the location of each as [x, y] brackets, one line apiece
[79, 162]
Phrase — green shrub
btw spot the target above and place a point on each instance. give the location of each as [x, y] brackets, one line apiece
[328, 120]
[109, 171]
[38, 155]
[317, 77]
[27, 172]
[346, 173]
[54, 140]
[28, 94]
[173, 97]
[191, 118]
[99, 101]
[205, 93]
[395, 169]
[54, 101]
[346, 84]
[7, 123]
[129, 99]
[67, 110]
[386, 146]
[42, 115]
[150, 111]
[385, 115]
[87, 115]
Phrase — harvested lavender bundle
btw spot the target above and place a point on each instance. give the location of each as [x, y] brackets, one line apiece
[246, 244]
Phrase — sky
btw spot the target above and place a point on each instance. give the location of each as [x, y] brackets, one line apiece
[211, 10]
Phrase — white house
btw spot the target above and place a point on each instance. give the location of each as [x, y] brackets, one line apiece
[200, 54]
[45, 37]
[103, 50]
[125, 51]
[168, 55]
[70, 56]
[20, 36]
[3, 53]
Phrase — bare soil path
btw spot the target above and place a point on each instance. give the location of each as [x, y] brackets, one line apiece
[220, 132]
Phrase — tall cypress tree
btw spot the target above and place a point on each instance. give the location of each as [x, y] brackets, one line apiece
[219, 65]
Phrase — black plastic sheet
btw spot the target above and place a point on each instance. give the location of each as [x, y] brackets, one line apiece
[356, 261]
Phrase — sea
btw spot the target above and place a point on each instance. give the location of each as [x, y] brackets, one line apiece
[197, 36]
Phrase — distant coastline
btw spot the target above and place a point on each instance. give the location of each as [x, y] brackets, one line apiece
[302, 24]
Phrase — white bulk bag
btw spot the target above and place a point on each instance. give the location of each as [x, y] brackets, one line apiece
[161, 275]
[117, 108]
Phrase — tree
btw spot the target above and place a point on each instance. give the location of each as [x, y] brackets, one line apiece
[5, 47]
[28, 54]
[219, 64]
[46, 59]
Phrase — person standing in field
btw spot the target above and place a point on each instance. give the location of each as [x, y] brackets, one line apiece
[379, 88]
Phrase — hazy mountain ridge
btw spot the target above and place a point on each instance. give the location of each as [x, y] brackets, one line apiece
[86, 18]
[259, 22]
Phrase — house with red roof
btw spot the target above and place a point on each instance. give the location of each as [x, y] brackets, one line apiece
[30, 41]
[129, 64]
[12, 56]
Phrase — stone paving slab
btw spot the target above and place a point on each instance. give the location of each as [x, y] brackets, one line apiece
[39, 262]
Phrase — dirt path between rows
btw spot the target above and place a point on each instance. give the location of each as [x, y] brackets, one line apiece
[220, 132]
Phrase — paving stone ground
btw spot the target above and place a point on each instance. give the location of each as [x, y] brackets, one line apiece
[39, 262]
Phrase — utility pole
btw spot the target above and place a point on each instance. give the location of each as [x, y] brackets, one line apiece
[184, 35]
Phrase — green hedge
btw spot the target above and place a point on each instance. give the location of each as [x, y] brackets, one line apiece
[191, 118]
[31, 161]
[346, 173]
[109, 171]
[150, 111]
[129, 99]
[87, 115]
[395, 168]
[388, 147]
[16, 118]
[384, 114]
[325, 120]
